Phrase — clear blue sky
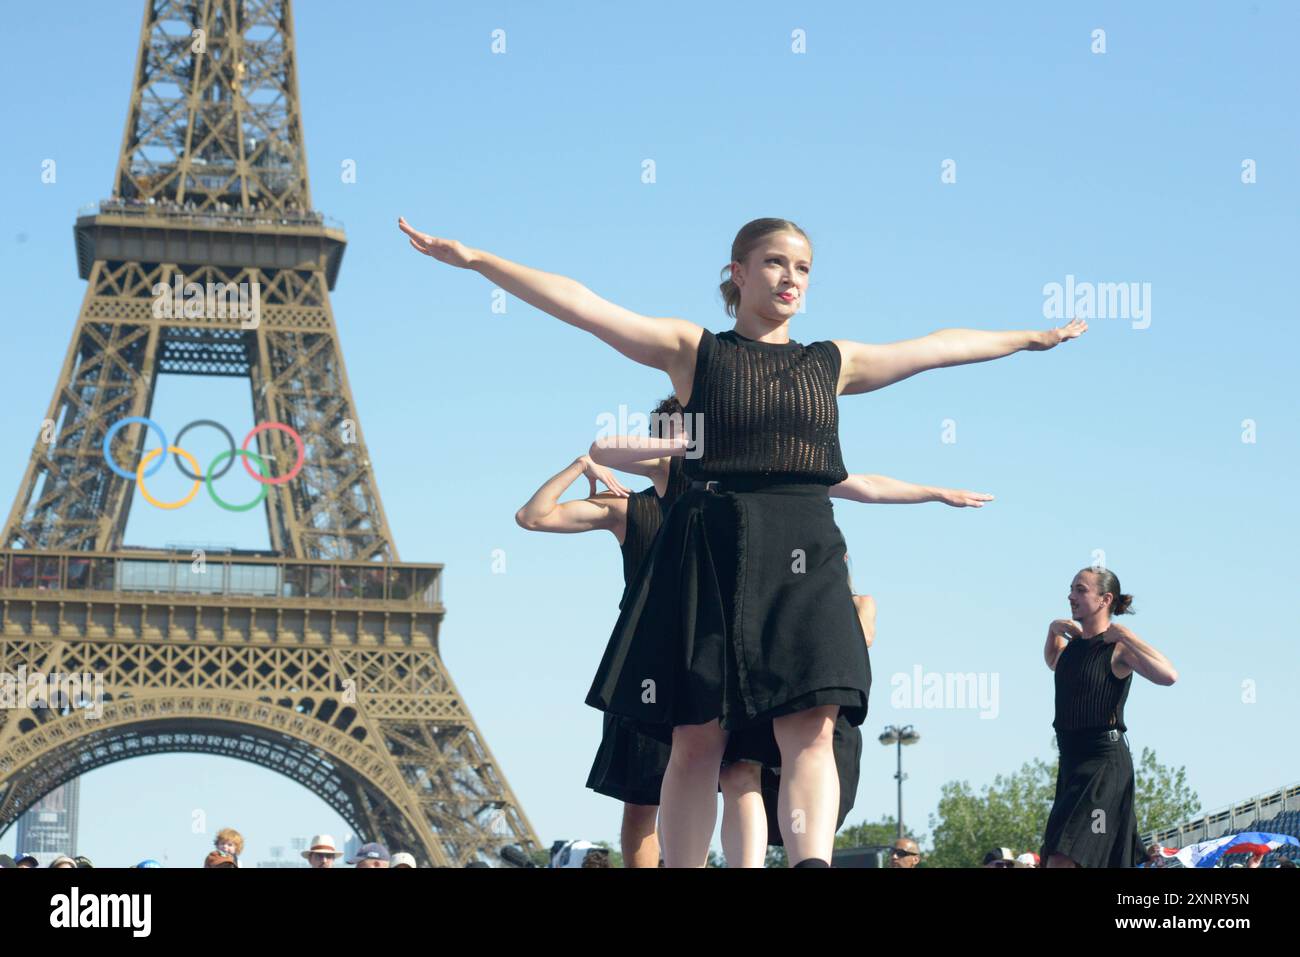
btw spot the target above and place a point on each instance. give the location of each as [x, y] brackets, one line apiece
[1115, 167]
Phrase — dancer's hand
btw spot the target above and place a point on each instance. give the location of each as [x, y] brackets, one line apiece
[1054, 337]
[447, 251]
[1116, 633]
[597, 473]
[960, 498]
[1065, 628]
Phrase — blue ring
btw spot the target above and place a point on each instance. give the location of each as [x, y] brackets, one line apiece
[108, 439]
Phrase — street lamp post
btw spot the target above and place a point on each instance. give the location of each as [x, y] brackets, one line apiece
[900, 737]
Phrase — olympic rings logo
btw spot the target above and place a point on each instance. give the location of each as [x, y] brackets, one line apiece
[227, 457]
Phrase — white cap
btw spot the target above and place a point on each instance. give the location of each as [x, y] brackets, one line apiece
[402, 859]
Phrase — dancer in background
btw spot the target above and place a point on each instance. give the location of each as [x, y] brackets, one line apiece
[1094, 821]
[741, 616]
[629, 766]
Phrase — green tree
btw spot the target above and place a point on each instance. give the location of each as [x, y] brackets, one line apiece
[1011, 812]
[1162, 795]
[872, 833]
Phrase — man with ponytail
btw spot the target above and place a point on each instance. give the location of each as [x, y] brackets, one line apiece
[1094, 821]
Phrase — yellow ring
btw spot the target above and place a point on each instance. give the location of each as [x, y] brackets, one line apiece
[139, 478]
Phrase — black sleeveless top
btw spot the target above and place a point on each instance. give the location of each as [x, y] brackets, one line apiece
[761, 408]
[645, 513]
[1088, 695]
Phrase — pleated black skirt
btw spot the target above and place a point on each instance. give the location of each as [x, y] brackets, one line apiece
[847, 746]
[1093, 819]
[741, 612]
[629, 766]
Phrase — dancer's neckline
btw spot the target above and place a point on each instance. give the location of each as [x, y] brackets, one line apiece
[764, 345]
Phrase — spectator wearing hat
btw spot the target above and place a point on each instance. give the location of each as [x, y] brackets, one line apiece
[230, 843]
[403, 859]
[217, 859]
[322, 852]
[904, 853]
[999, 857]
[26, 860]
[63, 861]
[371, 855]
[1027, 859]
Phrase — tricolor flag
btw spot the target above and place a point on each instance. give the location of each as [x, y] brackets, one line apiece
[1208, 853]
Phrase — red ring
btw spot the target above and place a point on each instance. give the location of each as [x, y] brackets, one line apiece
[302, 453]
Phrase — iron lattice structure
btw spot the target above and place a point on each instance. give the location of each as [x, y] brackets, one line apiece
[320, 661]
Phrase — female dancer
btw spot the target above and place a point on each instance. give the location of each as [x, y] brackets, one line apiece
[740, 617]
[629, 766]
[1094, 663]
[846, 741]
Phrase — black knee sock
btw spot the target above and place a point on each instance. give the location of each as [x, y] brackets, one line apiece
[812, 862]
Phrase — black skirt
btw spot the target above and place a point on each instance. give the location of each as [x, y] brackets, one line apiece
[847, 746]
[1093, 820]
[629, 766]
[741, 612]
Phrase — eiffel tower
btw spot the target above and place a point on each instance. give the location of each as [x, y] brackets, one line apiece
[319, 660]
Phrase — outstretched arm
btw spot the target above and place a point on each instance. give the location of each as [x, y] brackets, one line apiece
[883, 490]
[544, 513]
[667, 344]
[865, 367]
[1134, 654]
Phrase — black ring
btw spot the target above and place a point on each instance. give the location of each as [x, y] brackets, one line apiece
[224, 431]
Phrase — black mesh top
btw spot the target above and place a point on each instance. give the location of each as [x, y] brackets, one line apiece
[645, 513]
[766, 409]
[1088, 695]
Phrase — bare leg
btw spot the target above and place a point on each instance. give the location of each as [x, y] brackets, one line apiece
[640, 842]
[744, 821]
[1060, 860]
[688, 806]
[810, 787]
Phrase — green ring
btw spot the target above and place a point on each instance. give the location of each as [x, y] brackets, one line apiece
[229, 453]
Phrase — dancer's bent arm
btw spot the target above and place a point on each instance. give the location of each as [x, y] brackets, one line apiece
[636, 453]
[1134, 654]
[608, 510]
[666, 344]
[1059, 634]
[865, 367]
[883, 490]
